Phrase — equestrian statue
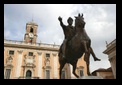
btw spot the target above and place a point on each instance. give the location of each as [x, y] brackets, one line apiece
[76, 43]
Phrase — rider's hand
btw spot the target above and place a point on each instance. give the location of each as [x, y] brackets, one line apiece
[59, 18]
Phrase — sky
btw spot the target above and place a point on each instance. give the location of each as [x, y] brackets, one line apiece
[100, 24]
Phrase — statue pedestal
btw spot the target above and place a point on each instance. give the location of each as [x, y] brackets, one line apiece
[91, 77]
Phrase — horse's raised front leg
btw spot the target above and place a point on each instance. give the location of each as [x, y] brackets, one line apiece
[93, 54]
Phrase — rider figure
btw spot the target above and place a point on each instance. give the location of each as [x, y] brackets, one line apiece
[69, 32]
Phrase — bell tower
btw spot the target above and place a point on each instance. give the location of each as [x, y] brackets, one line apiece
[31, 32]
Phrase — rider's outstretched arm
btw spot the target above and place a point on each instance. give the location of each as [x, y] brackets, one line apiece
[61, 23]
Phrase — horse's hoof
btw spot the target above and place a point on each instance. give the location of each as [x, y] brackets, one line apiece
[97, 59]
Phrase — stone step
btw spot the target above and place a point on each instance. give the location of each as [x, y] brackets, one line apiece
[91, 77]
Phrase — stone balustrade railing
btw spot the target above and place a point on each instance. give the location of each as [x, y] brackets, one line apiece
[36, 44]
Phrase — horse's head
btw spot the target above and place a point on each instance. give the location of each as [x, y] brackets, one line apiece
[79, 21]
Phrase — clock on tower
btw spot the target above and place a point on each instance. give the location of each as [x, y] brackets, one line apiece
[31, 32]
[31, 35]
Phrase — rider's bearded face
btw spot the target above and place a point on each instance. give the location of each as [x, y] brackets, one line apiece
[70, 22]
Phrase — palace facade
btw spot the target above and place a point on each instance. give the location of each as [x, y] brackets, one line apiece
[111, 52]
[28, 59]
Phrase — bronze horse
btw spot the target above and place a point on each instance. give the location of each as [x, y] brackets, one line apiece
[76, 47]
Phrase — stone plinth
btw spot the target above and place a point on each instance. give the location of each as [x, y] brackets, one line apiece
[91, 77]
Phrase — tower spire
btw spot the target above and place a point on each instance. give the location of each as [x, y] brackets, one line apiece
[32, 17]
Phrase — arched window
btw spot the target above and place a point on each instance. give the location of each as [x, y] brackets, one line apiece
[47, 74]
[28, 74]
[31, 30]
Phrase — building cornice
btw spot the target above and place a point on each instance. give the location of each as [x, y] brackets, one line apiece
[37, 46]
[111, 46]
[110, 49]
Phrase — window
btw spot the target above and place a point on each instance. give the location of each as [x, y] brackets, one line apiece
[30, 54]
[63, 75]
[81, 73]
[47, 55]
[31, 30]
[7, 73]
[28, 74]
[11, 52]
[47, 74]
